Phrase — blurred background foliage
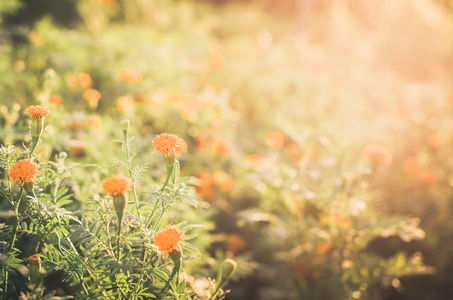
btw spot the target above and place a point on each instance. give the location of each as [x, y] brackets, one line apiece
[319, 131]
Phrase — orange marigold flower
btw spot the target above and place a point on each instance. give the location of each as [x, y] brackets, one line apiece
[166, 143]
[24, 171]
[117, 185]
[169, 239]
[91, 95]
[130, 75]
[378, 154]
[37, 112]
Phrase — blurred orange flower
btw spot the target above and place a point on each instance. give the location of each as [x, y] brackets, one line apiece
[169, 239]
[131, 75]
[95, 122]
[117, 185]
[323, 248]
[55, 100]
[107, 2]
[411, 166]
[158, 96]
[378, 154]
[24, 171]
[253, 160]
[300, 269]
[275, 140]
[140, 98]
[234, 243]
[339, 220]
[77, 149]
[204, 186]
[428, 177]
[125, 103]
[221, 147]
[292, 151]
[166, 143]
[70, 79]
[91, 95]
[223, 181]
[202, 143]
[37, 112]
[84, 80]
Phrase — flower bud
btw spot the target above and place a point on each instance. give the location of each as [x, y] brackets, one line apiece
[227, 269]
[120, 204]
[171, 158]
[176, 254]
[36, 272]
[37, 126]
[125, 124]
[28, 186]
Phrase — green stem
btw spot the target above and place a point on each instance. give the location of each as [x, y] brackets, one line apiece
[34, 143]
[5, 286]
[120, 220]
[169, 172]
[172, 275]
[129, 167]
[16, 222]
[164, 210]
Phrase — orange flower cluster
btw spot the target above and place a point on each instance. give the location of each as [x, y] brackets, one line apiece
[24, 171]
[169, 239]
[166, 143]
[378, 154]
[37, 112]
[116, 185]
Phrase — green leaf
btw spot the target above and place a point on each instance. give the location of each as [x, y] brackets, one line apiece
[191, 248]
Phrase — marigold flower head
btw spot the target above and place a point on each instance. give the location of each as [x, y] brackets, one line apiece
[116, 185]
[169, 239]
[37, 112]
[166, 144]
[378, 154]
[24, 171]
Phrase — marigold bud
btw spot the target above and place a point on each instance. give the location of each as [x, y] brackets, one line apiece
[120, 204]
[28, 186]
[228, 268]
[36, 272]
[125, 124]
